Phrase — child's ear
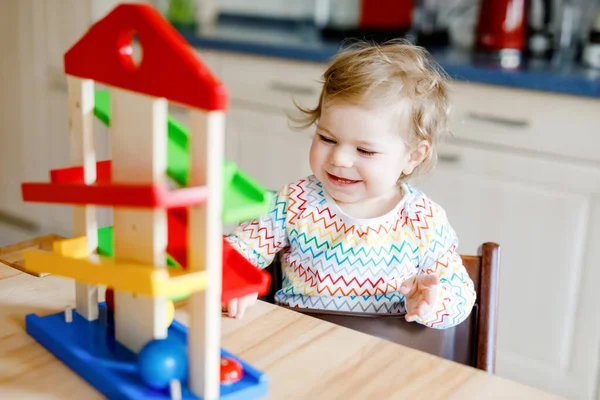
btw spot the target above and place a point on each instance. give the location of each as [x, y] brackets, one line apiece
[416, 157]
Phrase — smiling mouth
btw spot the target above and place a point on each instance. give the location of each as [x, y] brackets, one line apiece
[341, 181]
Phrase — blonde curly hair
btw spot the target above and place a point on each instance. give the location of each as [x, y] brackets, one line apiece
[390, 74]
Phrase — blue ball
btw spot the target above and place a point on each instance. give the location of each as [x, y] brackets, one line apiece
[161, 361]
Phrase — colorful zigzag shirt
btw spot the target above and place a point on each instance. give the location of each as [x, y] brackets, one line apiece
[334, 262]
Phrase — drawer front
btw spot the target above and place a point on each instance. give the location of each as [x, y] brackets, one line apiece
[272, 82]
[554, 124]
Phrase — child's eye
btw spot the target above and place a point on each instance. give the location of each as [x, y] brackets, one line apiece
[326, 139]
[366, 152]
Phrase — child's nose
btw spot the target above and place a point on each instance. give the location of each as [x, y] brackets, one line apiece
[341, 158]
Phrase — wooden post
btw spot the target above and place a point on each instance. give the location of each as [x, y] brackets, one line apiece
[205, 252]
[81, 127]
[139, 156]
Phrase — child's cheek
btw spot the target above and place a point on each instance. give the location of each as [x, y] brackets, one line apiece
[314, 156]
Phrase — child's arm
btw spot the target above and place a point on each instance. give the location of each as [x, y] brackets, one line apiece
[442, 282]
[259, 240]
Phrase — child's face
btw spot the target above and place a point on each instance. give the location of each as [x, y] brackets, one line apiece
[358, 153]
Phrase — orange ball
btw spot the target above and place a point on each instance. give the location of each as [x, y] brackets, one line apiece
[231, 371]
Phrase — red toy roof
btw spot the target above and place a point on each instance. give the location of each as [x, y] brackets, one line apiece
[169, 67]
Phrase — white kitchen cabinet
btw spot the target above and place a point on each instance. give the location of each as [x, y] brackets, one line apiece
[272, 84]
[32, 33]
[525, 120]
[261, 137]
[267, 149]
[541, 212]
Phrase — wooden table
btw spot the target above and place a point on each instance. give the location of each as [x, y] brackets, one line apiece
[305, 358]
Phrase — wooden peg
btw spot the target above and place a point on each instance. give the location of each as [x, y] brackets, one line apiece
[139, 156]
[81, 127]
[205, 251]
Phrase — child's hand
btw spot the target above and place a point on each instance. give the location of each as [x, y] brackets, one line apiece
[421, 293]
[237, 307]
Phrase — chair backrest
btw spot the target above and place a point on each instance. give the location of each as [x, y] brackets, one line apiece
[484, 270]
[473, 342]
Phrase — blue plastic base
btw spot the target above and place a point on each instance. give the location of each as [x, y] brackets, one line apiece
[90, 349]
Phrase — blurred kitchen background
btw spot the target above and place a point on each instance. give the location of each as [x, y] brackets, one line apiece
[522, 167]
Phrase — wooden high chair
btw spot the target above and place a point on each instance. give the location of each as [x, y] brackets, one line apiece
[473, 342]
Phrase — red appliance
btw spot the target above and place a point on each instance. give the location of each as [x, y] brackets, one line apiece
[378, 20]
[385, 14]
[502, 25]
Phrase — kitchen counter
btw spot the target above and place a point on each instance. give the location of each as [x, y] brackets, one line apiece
[301, 41]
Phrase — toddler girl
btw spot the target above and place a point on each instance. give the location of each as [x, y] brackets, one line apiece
[355, 237]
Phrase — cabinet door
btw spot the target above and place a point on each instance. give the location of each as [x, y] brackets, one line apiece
[34, 35]
[267, 149]
[540, 212]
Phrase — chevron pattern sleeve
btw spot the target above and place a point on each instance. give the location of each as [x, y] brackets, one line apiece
[439, 256]
[259, 240]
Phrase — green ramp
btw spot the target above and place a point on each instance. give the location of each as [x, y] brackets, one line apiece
[243, 197]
